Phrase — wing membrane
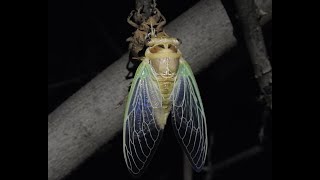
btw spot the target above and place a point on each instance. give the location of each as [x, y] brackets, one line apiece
[141, 133]
[188, 118]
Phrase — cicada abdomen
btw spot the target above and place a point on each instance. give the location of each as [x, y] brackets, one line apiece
[163, 83]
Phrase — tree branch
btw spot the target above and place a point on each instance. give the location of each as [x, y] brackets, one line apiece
[264, 11]
[248, 16]
[94, 114]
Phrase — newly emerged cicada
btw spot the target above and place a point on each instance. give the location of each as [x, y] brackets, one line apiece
[163, 83]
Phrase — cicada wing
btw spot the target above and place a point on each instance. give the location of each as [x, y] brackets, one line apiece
[141, 134]
[188, 117]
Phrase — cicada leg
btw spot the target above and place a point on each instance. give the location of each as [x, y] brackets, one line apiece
[162, 20]
[130, 21]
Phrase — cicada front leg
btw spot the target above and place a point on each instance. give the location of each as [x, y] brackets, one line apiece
[139, 17]
[130, 21]
[161, 20]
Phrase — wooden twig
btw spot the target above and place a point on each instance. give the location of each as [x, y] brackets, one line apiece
[264, 11]
[94, 114]
[248, 16]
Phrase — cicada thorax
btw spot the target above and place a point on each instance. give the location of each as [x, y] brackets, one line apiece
[164, 57]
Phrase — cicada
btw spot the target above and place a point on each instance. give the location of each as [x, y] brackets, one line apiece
[164, 83]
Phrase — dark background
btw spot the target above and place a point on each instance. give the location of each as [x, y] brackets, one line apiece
[84, 37]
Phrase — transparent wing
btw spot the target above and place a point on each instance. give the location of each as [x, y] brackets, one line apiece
[141, 134]
[188, 118]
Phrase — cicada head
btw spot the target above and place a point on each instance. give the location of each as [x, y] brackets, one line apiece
[163, 47]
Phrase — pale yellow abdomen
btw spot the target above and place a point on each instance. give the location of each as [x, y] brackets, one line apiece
[166, 87]
[164, 58]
